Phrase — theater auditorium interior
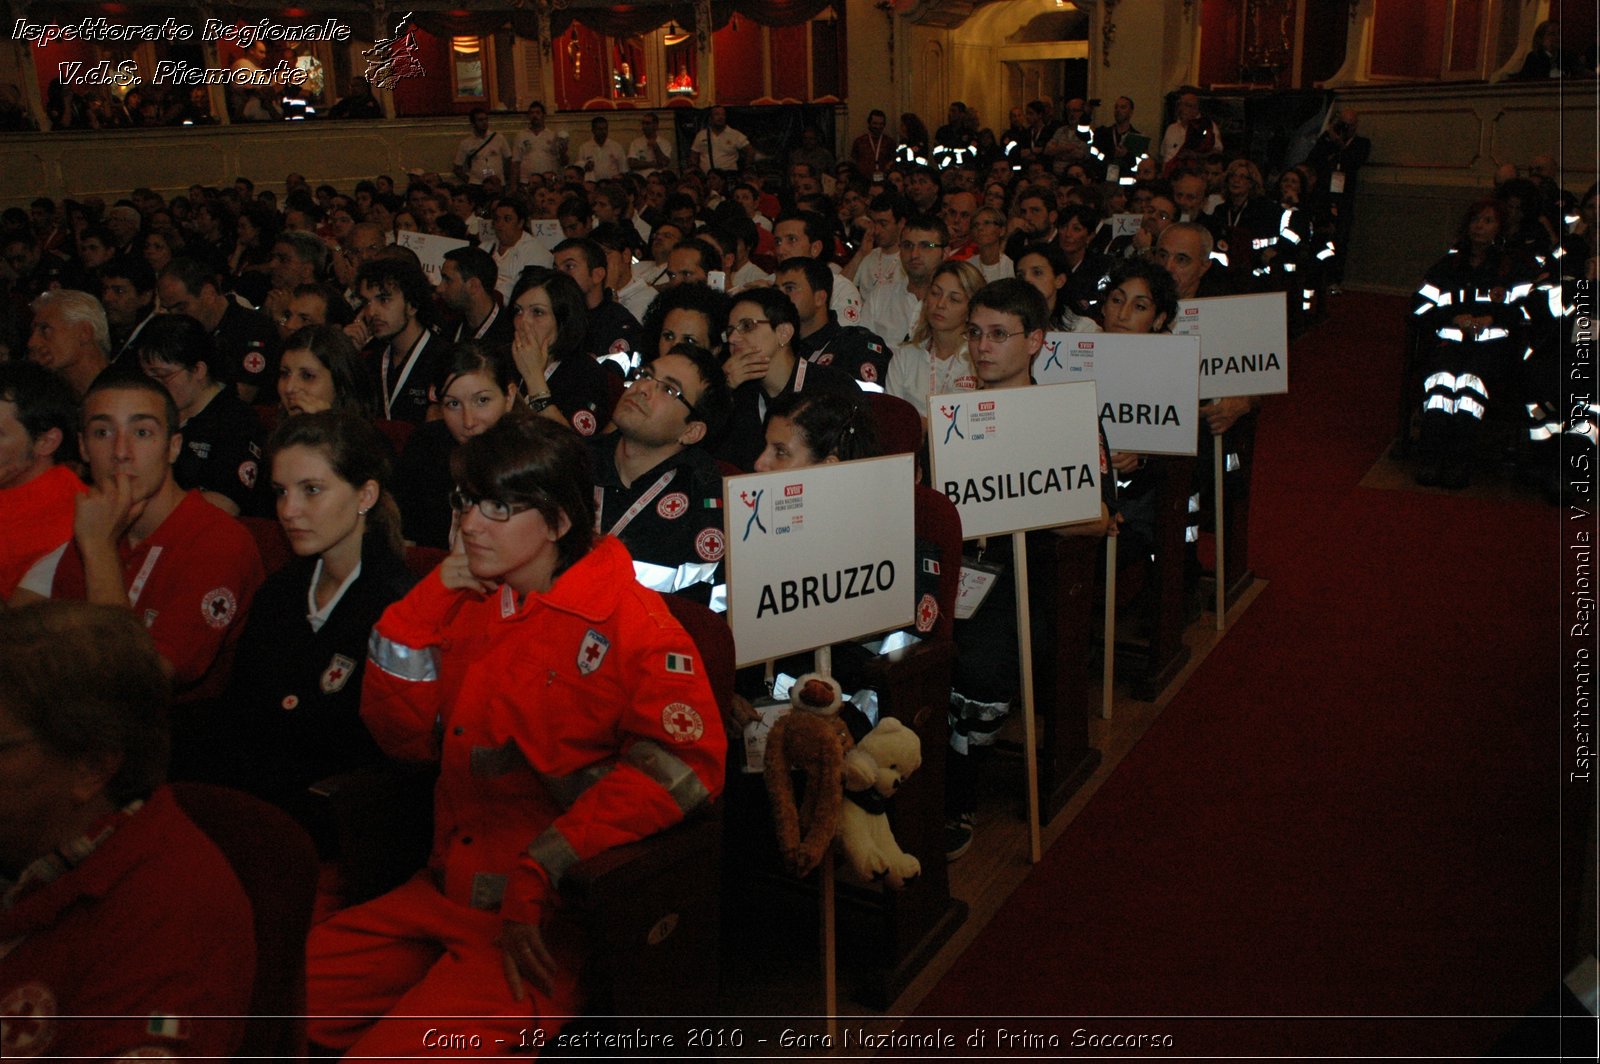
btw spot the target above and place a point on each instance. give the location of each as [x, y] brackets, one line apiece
[1283, 747]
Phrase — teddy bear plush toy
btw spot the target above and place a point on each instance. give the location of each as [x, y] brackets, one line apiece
[873, 771]
[811, 739]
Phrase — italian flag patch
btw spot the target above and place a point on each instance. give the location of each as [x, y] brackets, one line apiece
[680, 663]
[167, 1026]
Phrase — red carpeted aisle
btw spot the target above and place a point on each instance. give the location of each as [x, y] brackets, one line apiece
[1351, 807]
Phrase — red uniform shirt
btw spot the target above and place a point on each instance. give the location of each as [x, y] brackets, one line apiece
[575, 722]
[191, 583]
[37, 517]
[149, 933]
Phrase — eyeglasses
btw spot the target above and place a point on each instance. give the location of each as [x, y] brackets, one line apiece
[642, 375]
[493, 509]
[994, 335]
[744, 327]
[925, 245]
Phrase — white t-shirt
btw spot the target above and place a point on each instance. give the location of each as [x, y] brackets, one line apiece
[509, 263]
[846, 301]
[636, 296]
[747, 275]
[723, 153]
[878, 267]
[538, 153]
[608, 159]
[915, 374]
[891, 312]
[999, 271]
[491, 159]
[640, 150]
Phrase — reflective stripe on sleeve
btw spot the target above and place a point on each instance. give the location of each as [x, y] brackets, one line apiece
[667, 579]
[674, 776]
[417, 664]
[569, 788]
[552, 852]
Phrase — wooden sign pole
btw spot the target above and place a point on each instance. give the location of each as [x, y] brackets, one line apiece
[1108, 667]
[1219, 463]
[1019, 551]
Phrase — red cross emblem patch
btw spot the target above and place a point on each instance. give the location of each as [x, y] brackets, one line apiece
[708, 544]
[218, 607]
[27, 1020]
[592, 652]
[255, 362]
[927, 613]
[869, 372]
[337, 674]
[584, 422]
[852, 313]
[681, 723]
[673, 506]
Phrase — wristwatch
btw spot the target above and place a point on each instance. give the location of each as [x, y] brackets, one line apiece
[537, 403]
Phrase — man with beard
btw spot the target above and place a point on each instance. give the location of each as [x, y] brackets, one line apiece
[394, 333]
[466, 286]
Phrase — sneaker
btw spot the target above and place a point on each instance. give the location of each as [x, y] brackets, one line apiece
[958, 832]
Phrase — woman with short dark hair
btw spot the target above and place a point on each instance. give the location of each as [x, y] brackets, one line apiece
[530, 664]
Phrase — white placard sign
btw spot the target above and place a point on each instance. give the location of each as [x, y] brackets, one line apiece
[818, 555]
[1017, 458]
[547, 231]
[1125, 224]
[1244, 343]
[430, 249]
[1149, 385]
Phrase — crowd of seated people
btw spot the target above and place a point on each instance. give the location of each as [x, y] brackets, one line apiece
[553, 420]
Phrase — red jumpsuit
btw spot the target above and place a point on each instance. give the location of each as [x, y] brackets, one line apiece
[149, 944]
[579, 721]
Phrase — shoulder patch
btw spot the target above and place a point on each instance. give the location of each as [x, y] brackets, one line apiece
[247, 473]
[218, 606]
[681, 723]
[337, 674]
[592, 651]
[927, 613]
[29, 1020]
[254, 362]
[673, 506]
[709, 544]
[584, 422]
[869, 372]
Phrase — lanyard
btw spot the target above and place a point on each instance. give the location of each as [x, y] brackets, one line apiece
[405, 371]
[633, 511]
[139, 581]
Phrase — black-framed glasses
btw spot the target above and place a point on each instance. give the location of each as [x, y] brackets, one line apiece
[643, 375]
[493, 509]
[744, 327]
[925, 245]
[994, 334]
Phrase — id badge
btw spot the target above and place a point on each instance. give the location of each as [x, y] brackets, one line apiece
[1336, 183]
[978, 578]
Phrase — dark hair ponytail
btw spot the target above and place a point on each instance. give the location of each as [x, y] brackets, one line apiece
[357, 453]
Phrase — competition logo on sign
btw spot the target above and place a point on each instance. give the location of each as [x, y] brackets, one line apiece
[673, 506]
[950, 414]
[218, 607]
[752, 502]
[1052, 348]
[681, 723]
[592, 652]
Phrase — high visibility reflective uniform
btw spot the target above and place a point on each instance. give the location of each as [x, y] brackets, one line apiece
[575, 721]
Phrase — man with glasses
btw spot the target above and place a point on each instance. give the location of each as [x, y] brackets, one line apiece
[892, 311]
[761, 366]
[658, 490]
